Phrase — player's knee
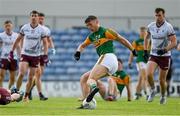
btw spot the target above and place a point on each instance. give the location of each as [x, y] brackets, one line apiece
[91, 81]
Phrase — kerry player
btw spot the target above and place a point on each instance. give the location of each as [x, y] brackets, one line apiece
[116, 84]
[140, 63]
[102, 38]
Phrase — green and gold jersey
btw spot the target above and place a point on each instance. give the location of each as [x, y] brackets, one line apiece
[139, 47]
[102, 40]
[121, 79]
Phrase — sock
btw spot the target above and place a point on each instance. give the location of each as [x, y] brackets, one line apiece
[92, 86]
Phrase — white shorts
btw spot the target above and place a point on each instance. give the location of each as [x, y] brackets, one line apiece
[141, 65]
[109, 60]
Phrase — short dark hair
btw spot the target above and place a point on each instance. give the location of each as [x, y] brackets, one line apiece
[41, 14]
[90, 18]
[34, 12]
[7, 22]
[157, 10]
[119, 60]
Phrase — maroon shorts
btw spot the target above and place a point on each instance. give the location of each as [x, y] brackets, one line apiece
[33, 61]
[42, 63]
[12, 66]
[162, 61]
[5, 96]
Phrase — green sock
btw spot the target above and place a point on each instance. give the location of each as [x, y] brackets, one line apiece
[92, 86]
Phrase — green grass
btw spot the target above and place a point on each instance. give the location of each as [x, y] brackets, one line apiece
[67, 106]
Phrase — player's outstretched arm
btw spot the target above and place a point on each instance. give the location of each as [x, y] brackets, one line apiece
[80, 48]
[122, 40]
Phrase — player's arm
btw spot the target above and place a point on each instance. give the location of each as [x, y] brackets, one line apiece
[18, 49]
[131, 56]
[51, 45]
[146, 45]
[45, 44]
[173, 42]
[81, 47]
[128, 87]
[17, 41]
[111, 34]
[1, 42]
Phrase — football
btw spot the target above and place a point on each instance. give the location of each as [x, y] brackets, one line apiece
[90, 105]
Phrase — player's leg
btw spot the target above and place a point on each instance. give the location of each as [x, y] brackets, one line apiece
[97, 72]
[23, 67]
[3, 68]
[102, 89]
[13, 66]
[29, 82]
[12, 78]
[151, 66]
[2, 75]
[84, 86]
[162, 81]
[106, 64]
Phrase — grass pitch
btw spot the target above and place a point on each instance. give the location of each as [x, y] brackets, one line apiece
[67, 106]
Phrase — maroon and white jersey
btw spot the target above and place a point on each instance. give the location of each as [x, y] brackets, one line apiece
[48, 34]
[7, 43]
[160, 37]
[32, 39]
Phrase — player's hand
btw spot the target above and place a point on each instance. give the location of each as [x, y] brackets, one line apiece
[130, 66]
[146, 55]
[11, 56]
[77, 55]
[53, 51]
[45, 59]
[161, 51]
[134, 52]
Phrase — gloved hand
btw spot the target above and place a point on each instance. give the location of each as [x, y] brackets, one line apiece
[161, 52]
[146, 55]
[11, 56]
[77, 55]
[134, 52]
[130, 66]
[53, 51]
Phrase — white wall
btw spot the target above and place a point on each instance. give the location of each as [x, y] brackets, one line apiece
[72, 12]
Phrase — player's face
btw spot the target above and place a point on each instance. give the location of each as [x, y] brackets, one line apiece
[34, 18]
[92, 25]
[8, 27]
[41, 20]
[142, 33]
[159, 17]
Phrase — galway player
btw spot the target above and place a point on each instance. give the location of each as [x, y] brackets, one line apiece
[40, 69]
[7, 97]
[102, 38]
[32, 34]
[163, 39]
[7, 38]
